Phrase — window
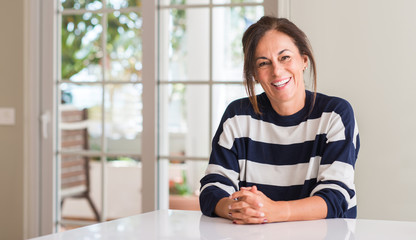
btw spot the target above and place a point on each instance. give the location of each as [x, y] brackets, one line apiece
[200, 73]
[100, 74]
[106, 69]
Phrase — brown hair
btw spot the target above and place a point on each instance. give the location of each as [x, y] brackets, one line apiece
[251, 38]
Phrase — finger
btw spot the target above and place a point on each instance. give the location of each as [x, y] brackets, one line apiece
[250, 221]
[256, 191]
[240, 194]
[250, 212]
[252, 200]
[246, 213]
[238, 205]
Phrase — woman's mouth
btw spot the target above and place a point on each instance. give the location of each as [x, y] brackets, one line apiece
[282, 82]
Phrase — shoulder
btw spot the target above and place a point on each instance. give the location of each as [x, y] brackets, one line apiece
[335, 108]
[238, 105]
[243, 106]
[325, 103]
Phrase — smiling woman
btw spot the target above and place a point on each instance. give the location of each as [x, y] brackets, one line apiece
[292, 43]
[287, 154]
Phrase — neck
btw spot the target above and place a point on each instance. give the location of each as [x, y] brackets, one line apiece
[290, 107]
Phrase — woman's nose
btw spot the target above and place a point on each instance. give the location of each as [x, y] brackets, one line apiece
[277, 68]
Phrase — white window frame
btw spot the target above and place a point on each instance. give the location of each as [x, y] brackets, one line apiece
[31, 147]
[39, 204]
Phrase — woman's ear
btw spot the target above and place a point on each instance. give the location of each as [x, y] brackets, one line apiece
[305, 62]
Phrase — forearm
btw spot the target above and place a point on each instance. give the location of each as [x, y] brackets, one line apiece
[310, 208]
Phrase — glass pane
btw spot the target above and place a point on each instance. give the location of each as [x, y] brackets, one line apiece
[78, 98]
[223, 95]
[82, 178]
[236, 1]
[184, 44]
[79, 4]
[123, 186]
[184, 183]
[123, 118]
[81, 49]
[117, 4]
[124, 46]
[227, 51]
[181, 2]
[184, 120]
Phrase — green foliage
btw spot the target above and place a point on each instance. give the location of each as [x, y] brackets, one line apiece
[182, 188]
[81, 37]
[78, 53]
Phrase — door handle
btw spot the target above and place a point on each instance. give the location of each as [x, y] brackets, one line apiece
[45, 119]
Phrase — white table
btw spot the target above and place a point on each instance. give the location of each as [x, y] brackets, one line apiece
[178, 224]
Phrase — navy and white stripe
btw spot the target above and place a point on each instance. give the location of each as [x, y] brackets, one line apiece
[286, 157]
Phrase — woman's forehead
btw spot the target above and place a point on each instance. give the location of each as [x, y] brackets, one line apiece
[277, 42]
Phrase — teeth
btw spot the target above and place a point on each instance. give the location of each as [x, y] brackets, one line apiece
[281, 83]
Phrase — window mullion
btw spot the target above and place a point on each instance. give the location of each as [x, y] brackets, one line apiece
[103, 114]
[102, 10]
[149, 96]
[210, 5]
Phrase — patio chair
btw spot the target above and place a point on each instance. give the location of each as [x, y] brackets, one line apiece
[75, 177]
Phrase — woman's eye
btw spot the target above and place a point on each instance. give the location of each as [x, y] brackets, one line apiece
[284, 58]
[262, 64]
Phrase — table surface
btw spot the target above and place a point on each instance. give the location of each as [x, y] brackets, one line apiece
[179, 224]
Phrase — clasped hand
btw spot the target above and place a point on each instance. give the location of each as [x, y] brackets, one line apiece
[249, 206]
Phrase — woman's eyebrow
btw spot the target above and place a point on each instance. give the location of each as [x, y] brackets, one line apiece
[261, 58]
[282, 51]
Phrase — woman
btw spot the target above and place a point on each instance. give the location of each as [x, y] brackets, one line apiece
[287, 154]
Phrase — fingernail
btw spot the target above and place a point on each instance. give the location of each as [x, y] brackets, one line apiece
[264, 221]
[229, 214]
[261, 214]
[234, 222]
[229, 206]
[260, 204]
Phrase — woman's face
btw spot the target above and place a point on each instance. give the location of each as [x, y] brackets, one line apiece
[279, 70]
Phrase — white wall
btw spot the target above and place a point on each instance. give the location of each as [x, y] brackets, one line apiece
[365, 52]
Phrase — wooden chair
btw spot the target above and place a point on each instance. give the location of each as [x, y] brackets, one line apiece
[75, 177]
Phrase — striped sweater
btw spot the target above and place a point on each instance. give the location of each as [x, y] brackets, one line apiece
[286, 157]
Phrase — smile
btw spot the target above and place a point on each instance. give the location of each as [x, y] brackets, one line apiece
[282, 82]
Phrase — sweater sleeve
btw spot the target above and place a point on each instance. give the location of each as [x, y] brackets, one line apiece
[335, 181]
[222, 174]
